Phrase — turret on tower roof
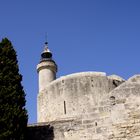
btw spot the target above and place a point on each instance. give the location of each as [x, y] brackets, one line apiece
[46, 54]
[46, 68]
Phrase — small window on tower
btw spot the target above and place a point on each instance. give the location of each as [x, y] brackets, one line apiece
[64, 107]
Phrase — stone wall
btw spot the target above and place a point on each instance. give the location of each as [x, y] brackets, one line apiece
[74, 95]
[111, 109]
[125, 112]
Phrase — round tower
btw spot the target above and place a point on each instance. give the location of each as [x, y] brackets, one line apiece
[46, 69]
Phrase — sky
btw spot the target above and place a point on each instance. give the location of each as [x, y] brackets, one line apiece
[83, 35]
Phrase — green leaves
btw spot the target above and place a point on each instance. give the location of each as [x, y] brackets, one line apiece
[13, 115]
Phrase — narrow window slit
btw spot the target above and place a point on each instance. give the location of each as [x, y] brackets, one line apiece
[64, 107]
[95, 123]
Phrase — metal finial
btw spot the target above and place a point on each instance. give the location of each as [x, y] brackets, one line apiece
[46, 39]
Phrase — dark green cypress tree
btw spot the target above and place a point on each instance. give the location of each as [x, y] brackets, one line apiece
[13, 115]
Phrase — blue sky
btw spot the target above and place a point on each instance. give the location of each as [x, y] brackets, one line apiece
[84, 35]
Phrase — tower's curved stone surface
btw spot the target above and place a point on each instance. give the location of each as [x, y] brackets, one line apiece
[135, 78]
[74, 95]
[125, 109]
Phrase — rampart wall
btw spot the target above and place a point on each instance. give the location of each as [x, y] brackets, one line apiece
[73, 95]
[111, 109]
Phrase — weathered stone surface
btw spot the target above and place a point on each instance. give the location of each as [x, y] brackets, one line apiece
[125, 114]
[135, 78]
[47, 73]
[116, 77]
[73, 95]
[89, 106]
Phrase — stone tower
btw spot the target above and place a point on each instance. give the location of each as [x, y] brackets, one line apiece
[46, 69]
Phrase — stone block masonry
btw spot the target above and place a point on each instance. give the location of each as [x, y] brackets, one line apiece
[74, 95]
[97, 107]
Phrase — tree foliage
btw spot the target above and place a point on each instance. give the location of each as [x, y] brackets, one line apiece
[13, 115]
